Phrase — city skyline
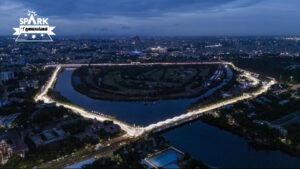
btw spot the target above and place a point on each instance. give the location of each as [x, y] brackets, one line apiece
[159, 18]
[189, 84]
[78, 100]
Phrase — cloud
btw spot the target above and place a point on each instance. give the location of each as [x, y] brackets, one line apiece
[125, 27]
[7, 6]
[158, 17]
[125, 8]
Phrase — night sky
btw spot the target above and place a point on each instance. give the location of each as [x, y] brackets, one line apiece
[158, 17]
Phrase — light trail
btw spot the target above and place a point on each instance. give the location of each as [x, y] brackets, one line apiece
[136, 64]
[49, 84]
[43, 97]
[136, 131]
[208, 108]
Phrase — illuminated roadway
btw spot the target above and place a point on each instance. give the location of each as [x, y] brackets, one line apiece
[137, 131]
[43, 97]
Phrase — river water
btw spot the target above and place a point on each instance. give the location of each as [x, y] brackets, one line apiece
[137, 113]
[211, 145]
[222, 149]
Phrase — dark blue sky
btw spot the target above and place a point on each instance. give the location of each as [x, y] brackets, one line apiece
[158, 17]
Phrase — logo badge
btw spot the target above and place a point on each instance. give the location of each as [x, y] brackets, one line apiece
[34, 29]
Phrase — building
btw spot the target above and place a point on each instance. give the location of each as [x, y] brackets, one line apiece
[17, 144]
[49, 135]
[161, 50]
[7, 75]
[107, 126]
[5, 152]
[24, 84]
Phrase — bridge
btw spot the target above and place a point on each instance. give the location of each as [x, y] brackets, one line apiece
[172, 122]
[161, 125]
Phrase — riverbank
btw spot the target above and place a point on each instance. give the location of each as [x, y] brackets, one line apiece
[222, 149]
[157, 83]
[137, 113]
[253, 120]
[267, 139]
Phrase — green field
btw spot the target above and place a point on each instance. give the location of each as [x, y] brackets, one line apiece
[143, 82]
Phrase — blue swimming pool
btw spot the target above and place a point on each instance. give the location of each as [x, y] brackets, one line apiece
[165, 158]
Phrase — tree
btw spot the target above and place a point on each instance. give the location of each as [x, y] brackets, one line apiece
[1, 90]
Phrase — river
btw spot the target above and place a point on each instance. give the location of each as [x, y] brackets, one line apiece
[137, 113]
[222, 149]
[211, 145]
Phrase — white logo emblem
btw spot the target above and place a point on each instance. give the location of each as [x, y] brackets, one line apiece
[34, 29]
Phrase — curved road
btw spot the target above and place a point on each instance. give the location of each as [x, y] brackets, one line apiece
[137, 131]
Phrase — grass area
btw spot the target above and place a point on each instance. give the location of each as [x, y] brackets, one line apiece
[143, 82]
